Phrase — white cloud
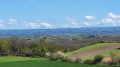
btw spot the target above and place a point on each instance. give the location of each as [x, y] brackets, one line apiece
[12, 21]
[1, 21]
[66, 25]
[1, 25]
[46, 25]
[86, 23]
[111, 15]
[33, 25]
[107, 20]
[90, 17]
[75, 25]
[69, 19]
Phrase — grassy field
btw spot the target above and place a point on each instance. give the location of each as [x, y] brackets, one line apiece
[39, 62]
[88, 47]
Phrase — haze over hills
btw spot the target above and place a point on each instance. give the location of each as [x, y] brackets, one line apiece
[62, 31]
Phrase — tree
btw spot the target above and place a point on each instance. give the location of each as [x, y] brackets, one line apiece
[36, 52]
[43, 51]
[43, 43]
[97, 59]
[34, 45]
[4, 45]
[56, 48]
[13, 41]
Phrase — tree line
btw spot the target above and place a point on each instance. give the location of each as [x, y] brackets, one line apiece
[14, 46]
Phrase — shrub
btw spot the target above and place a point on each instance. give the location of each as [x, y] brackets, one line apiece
[97, 59]
[66, 59]
[113, 56]
[60, 54]
[118, 60]
[47, 55]
[78, 60]
[89, 61]
[110, 41]
[113, 59]
[53, 57]
[102, 41]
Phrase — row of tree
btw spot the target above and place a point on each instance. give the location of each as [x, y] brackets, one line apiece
[23, 47]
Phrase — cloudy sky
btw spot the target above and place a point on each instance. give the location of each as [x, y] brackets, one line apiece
[44, 14]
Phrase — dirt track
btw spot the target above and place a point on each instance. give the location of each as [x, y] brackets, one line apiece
[94, 51]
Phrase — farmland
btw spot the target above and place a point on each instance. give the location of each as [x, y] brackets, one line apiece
[40, 62]
[104, 49]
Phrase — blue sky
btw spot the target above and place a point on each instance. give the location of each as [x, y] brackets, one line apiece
[43, 14]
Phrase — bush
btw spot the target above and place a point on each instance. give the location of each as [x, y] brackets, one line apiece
[110, 41]
[47, 55]
[89, 61]
[60, 54]
[66, 59]
[28, 54]
[118, 60]
[97, 59]
[113, 59]
[102, 41]
[78, 60]
[55, 56]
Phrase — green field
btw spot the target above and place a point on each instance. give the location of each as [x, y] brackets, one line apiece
[88, 47]
[39, 62]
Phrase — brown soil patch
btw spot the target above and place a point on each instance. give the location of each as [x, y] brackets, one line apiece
[94, 51]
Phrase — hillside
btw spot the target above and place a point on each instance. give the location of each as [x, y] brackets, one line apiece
[97, 49]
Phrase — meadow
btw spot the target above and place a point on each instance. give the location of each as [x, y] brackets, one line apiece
[40, 62]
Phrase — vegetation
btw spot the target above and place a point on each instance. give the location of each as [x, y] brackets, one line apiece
[88, 61]
[14, 46]
[40, 62]
[97, 59]
[104, 54]
[78, 60]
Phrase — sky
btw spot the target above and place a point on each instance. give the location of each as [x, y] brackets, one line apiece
[50, 14]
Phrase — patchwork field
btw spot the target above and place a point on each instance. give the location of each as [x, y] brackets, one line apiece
[39, 62]
[93, 50]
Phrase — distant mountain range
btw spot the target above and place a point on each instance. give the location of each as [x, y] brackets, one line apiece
[62, 31]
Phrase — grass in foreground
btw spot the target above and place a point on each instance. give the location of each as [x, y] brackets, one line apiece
[13, 59]
[88, 47]
[35, 62]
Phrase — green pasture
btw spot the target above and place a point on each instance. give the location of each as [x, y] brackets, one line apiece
[39, 62]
